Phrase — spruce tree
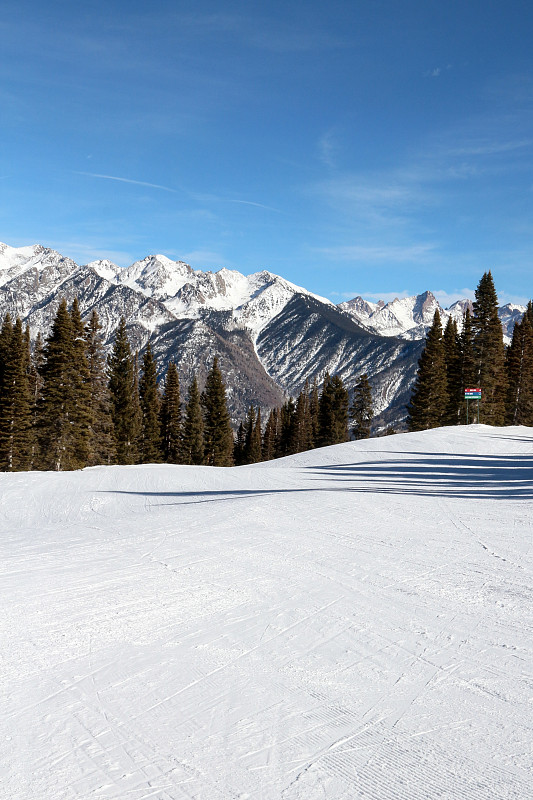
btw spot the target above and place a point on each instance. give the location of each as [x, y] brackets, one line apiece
[429, 397]
[286, 422]
[270, 443]
[81, 386]
[362, 410]
[467, 366]
[519, 366]
[252, 443]
[314, 402]
[193, 427]
[124, 407]
[489, 353]
[16, 430]
[452, 359]
[102, 441]
[239, 447]
[333, 412]
[171, 426]
[6, 332]
[302, 430]
[150, 440]
[62, 420]
[218, 435]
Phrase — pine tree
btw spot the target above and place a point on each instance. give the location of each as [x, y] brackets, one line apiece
[252, 442]
[519, 367]
[122, 383]
[314, 402]
[239, 446]
[302, 429]
[270, 444]
[16, 434]
[467, 364]
[361, 410]
[62, 412]
[193, 427]
[452, 359]
[218, 435]
[102, 441]
[489, 352]
[171, 426]
[429, 397]
[6, 332]
[80, 387]
[150, 440]
[287, 415]
[333, 412]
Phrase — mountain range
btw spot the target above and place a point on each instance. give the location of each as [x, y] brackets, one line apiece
[269, 334]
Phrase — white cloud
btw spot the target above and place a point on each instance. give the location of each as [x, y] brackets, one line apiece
[446, 299]
[84, 253]
[127, 180]
[391, 253]
[202, 259]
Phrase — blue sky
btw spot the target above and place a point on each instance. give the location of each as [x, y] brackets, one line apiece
[374, 148]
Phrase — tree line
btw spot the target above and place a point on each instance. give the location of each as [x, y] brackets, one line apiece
[67, 405]
[314, 419]
[475, 357]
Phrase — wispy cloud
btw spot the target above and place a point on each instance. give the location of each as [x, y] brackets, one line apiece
[378, 253]
[446, 299]
[202, 259]
[328, 147]
[84, 253]
[214, 198]
[127, 180]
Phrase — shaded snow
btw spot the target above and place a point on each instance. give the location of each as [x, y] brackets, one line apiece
[352, 622]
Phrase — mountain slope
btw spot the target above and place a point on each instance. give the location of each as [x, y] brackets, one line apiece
[351, 622]
[270, 334]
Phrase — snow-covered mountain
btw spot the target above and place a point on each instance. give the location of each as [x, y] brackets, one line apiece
[270, 335]
[411, 317]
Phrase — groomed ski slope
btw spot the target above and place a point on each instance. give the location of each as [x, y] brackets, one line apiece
[352, 622]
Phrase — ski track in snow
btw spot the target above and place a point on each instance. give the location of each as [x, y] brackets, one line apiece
[352, 622]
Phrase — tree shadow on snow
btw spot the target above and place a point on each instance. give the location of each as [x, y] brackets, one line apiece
[434, 474]
[421, 474]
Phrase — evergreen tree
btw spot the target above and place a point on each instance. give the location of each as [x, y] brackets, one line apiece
[362, 410]
[150, 440]
[171, 431]
[429, 397]
[270, 444]
[218, 435]
[519, 366]
[37, 360]
[239, 446]
[314, 402]
[6, 332]
[193, 427]
[252, 444]
[62, 413]
[302, 429]
[489, 352]
[333, 412]
[287, 414]
[124, 407]
[16, 434]
[81, 386]
[452, 359]
[467, 362]
[102, 441]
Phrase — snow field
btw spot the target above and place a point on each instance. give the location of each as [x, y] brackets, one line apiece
[352, 622]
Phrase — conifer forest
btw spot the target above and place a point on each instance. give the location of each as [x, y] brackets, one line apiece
[65, 405]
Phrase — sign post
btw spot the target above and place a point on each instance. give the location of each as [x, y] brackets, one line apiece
[472, 394]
